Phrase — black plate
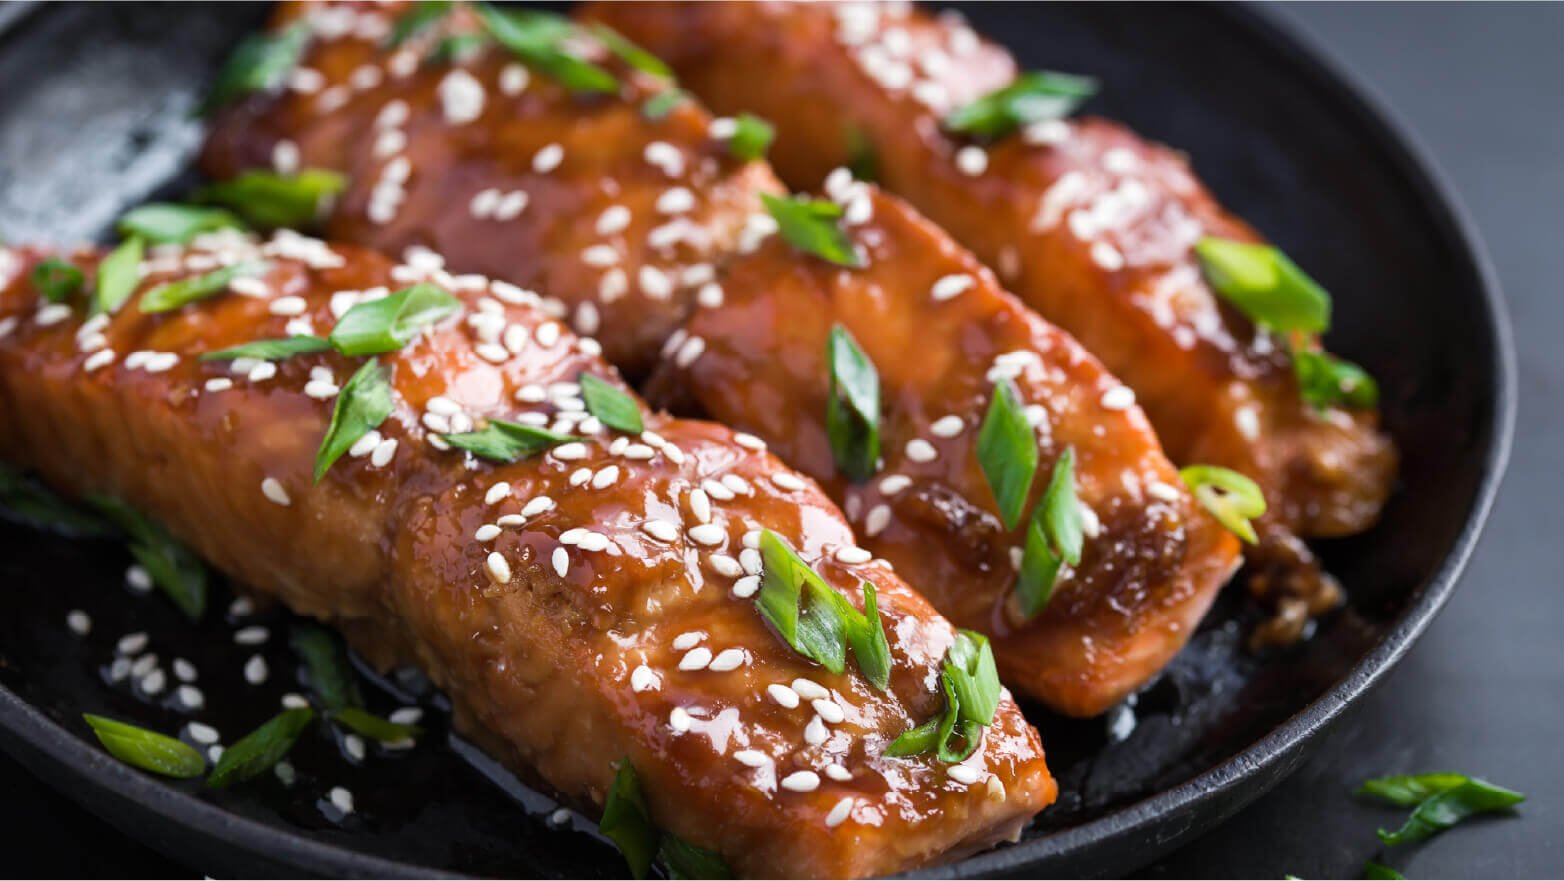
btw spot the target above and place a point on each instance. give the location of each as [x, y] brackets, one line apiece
[95, 119]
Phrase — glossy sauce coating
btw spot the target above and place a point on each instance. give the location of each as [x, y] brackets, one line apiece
[1087, 222]
[940, 334]
[581, 645]
[504, 171]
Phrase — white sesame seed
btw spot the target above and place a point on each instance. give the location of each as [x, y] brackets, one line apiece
[548, 158]
[353, 745]
[801, 781]
[947, 426]
[162, 362]
[810, 689]
[877, 519]
[963, 774]
[851, 555]
[184, 671]
[697, 658]
[745, 587]
[274, 492]
[815, 733]
[787, 481]
[537, 506]
[748, 440]
[688, 640]
[751, 560]
[920, 450]
[593, 541]
[255, 634]
[665, 157]
[1107, 256]
[569, 452]
[708, 534]
[341, 799]
[637, 451]
[241, 607]
[654, 283]
[752, 758]
[190, 697]
[487, 532]
[661, 530]
[461, 97]
[840, 813]
[700, 505]
[286, 306]
[710, 295]
[510, 205]
[838, 773]
[292, 701]
[605, 477]
[1162, 491]
[783, 695]
[643, 679]
[725, 565]
[614, 219]
[407, 715]
[971, 160]
[131, 643]
[202, 733]
[497, 567]
[561, 560]
[497, 493]
[98, 360]
[119, 669]
[728, 659]
[79, 622]
[1120, 397]
[255, 670]
[513, 79]
[679, 720]
[1046, 133]
[153, 682]
[675, 200]
[219, 384]
[689, 351]
[951, 286]
[144, 665]
[829, 710]
[383, 453]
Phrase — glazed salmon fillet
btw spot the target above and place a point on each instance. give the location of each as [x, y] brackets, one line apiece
[503, 170]
[940, 334]
[584, 606]
[1120, 619]
[1087, 222]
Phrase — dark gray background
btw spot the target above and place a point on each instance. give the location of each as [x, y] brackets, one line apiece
[1483, 88]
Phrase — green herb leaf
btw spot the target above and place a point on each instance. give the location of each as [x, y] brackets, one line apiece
[537, 38]
[1232, 498]
[388, 324]
[1039, 569]
[362, 405]
[326, 664]
[172, 223]
[626, 821]
[372, 726]
[630, 53]
[917, 740]
[30, 502]
[861, 158]
[423, 15]
[272, 350]
[1033, 97]
[680, 859]
[870, 647]
[1326, 381]
[611, 406]
[147, 750]
[661, 104]
[1378, 872]
[752, 137]
[1007, 452]
[270, 200]
[1407, 790]
[262, 748]
[969, 665]
[260, 63]
[819, 622]
[852, 415]
[57, 280]
[1060, 510]
[810, 226]
[1449, 807]
[174, 294]
[118, 275]
[506, 442]
[1264, 285]
[174, 568]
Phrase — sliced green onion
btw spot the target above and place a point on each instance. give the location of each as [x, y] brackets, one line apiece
[819, 623]
[1449, 807]
[147, 750]
[258, 751]
[852, 414]
[271, 200]
[174, 568]
[175, 294]
[680, 859]
[1379, 872]
[118, 275]
[537, 38]
[661, 104]
[630, 53]
[57, 280]
[1039, 569]
[364, 402]
[372, 726]
[752, 137]
[1060, 510]
[389, 323]
[1230, 497]
[1327, 381]
[272, 350]
[1007, 452]
[611, 406]
[329, 672]
[32, 503]
[260, 63]
[1264, 285]
[627, 822]
[506, 442]
[866, 636]
[173, 223]
[423, 15]
[1407, 790]
[1033, 97]
[810, 226]
[969, 665]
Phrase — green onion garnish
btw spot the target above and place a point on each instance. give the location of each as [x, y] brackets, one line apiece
[630, 53]
[147, 750]
[270, 200]
[118, 275]
[752, 136]
[272, 350]
[1264, 285]
[422, 16]
[970, 681]
[1033, 97]
[1232, 498]
[262, 748]
[506, 442]
[1054, 536]
[372, 726]
[260, 63]
[172, 295]
[852, 414]
[172, 223]
[810, 226]
[389, 323]
[820, 623]
[1325, 381]
[328, 670]
[611, 406]
[628, 824]
[1380, 872]
[1039, 569]
[177, 571]
[1442, 800]
[537, 38]
[1007, 452]
[663, 103]
[364, 402]
[57, 280]
[35, 505]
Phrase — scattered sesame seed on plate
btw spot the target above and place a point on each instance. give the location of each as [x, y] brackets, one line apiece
[255, 670]
[253, 635]
[79, 622]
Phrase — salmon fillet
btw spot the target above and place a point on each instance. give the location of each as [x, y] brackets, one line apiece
[564, 654]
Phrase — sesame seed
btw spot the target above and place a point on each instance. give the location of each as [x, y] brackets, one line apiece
[675, 200]
[79, 622]
[353, 745]
[487, 532]
[784, 696]
[1046, 133]
[190, 697]
[710, 295]
[570, 452]
[241, 607]
[708, 534]
[751, 560]
[131, 643]
[748, 440]
[829, 710]
[810, 689]
[219, 384]
[497, 493]
[726, 565]
[1162, 491]
[548, 158]
[341, 799]
[537, 506]
[971, 160]
[947, 426]
[497, 567]
[1120, 397]
[801, 781]
[291, 701]
[593, 541]
[745, 587]
[614, 219]
[201, 733]
[153, 682]
[689, 351]
[407, 715]
[643, 679]
[840, 813]
[655, 283]
[787, 481]
[144, 665]
[461, 97]
[815, 733]
[274, 492]
[851, 555]
[255, 670]
[697, 658]
[951, 286]
[513, 79]
[98, 360]
[752, 758]
[606, 477]
[877, 519]
[510, 205]
[728, 659]
[561, 560]
[665, 157]
[717, 490]
[383, 453]
[700, 505]
[963, 774]
[287, 306]
[679, 720]
[184, 671]
[920, 450]
[252, 635]
[838, 773]
[637, 451]
[1107, 256]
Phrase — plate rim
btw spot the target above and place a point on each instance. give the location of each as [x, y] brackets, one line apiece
[25, 730]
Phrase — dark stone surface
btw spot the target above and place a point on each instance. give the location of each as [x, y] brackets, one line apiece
[1480, 691]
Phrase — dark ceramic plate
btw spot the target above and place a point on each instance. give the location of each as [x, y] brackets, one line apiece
[95, 117]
